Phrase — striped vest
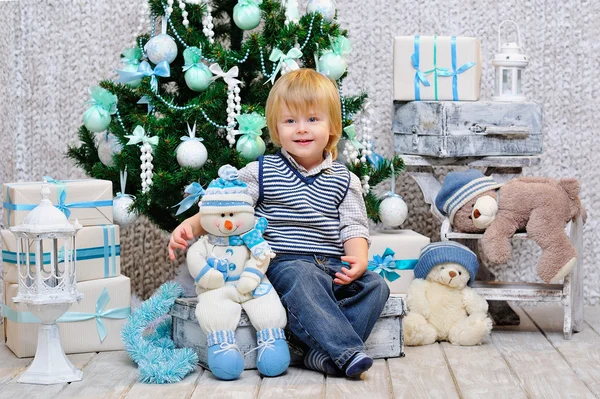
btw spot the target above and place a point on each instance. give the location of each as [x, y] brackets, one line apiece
[302, 211]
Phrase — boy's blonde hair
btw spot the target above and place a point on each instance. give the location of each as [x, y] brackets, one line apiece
[300, 91]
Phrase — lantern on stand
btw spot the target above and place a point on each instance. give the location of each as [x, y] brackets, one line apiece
[510, 64]
[47, 289]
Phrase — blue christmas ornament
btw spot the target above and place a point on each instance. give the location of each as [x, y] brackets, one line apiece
[333, 62]
[104, 104]
[161, 48]
[324, 7]
[250, 147]
[246, 14]
[131, 58]
[197, 75]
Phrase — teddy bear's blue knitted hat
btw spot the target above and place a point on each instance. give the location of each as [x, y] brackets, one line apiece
[443, 252]
[459, 188]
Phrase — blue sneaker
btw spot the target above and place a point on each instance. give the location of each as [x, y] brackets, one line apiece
[273, 357]
[224, 357]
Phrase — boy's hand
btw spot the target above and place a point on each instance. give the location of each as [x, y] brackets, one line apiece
[179, 238]
[357, 269]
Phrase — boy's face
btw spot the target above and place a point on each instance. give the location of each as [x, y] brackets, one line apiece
[304, 134]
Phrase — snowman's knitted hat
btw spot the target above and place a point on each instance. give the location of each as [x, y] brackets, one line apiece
[226, 194]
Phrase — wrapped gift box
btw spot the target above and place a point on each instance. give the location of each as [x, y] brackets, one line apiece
[436, 68]
[395, 252]
[98, 253]
[89, 201]
[92, 325]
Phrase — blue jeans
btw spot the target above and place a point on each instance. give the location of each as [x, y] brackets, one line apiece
[334, 319]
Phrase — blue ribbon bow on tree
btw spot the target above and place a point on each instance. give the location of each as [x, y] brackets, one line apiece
[193, 191]
[351, 134]
[387, 267]
[144, 69]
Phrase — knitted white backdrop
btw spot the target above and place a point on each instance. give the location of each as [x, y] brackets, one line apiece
[53, 51]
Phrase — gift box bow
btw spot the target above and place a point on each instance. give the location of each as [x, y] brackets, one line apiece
[387, 267]
[99, 315]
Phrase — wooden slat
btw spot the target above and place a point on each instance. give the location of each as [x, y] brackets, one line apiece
[582, 351]
[30, 391]
[496, 290]
[481, 372]
[10, 365]
[506, 161]
[540, 368]
[592, 317]
[472, 236]
[297, 383]
[373, 384]
[108, 375]
[245, 387]
[423, 373]
[180, 390]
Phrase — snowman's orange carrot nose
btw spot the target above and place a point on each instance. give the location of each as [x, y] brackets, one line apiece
[228, 225]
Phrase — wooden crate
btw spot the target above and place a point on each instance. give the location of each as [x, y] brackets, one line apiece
[467, 129]
[386, 340]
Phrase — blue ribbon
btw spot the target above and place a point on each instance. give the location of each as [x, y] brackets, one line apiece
[144, 69]
[69, 317]
[421, 77]
[194, 192]
[387, 267]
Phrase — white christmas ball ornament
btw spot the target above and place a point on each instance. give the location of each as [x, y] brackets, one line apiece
[121, 214]
[108, 145]
[324, 7]
[161, 48]
[191, 154]
[393, 211]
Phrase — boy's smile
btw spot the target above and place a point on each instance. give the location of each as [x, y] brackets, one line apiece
[304, 135]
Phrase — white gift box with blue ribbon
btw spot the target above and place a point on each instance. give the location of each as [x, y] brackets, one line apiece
[89, 200]
[437, 68]
[92, 325]
[98, 253]
[393, 255]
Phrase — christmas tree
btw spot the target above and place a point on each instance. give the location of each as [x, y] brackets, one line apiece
[191, 98]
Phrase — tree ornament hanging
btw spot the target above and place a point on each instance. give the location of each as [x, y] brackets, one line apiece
[393, 210]
[108, 145]
[285, 62]
[104, 104]
[207, 23]
[246, 14]
[332, 63]
[139, 136]
[191, 153]
[122, 213]
[352, 145]
[234, 101]
[197, 75]
[144, 69]
[131, 57]
[324, 7]
[161, 47]
[250, 146]
[292, 15]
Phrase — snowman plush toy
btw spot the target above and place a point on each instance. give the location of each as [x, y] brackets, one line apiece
[229, 267]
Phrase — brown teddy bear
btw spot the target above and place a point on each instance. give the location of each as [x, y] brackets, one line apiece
[475, 203]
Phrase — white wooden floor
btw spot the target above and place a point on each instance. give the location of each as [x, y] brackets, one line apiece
[529, 361]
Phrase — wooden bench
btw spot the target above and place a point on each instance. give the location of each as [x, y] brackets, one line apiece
[503, 168]
[386, 339]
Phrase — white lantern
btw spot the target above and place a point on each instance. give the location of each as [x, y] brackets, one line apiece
[510, 64]
[47, 289]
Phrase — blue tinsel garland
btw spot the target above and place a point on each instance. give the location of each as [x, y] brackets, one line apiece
[158, 360]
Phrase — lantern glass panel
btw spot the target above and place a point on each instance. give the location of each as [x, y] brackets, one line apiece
[507, 80]
[519, 79]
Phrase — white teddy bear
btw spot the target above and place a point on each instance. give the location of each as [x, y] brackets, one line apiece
[441, 305]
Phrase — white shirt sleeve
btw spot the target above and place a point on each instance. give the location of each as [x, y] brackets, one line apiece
[353, 213]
